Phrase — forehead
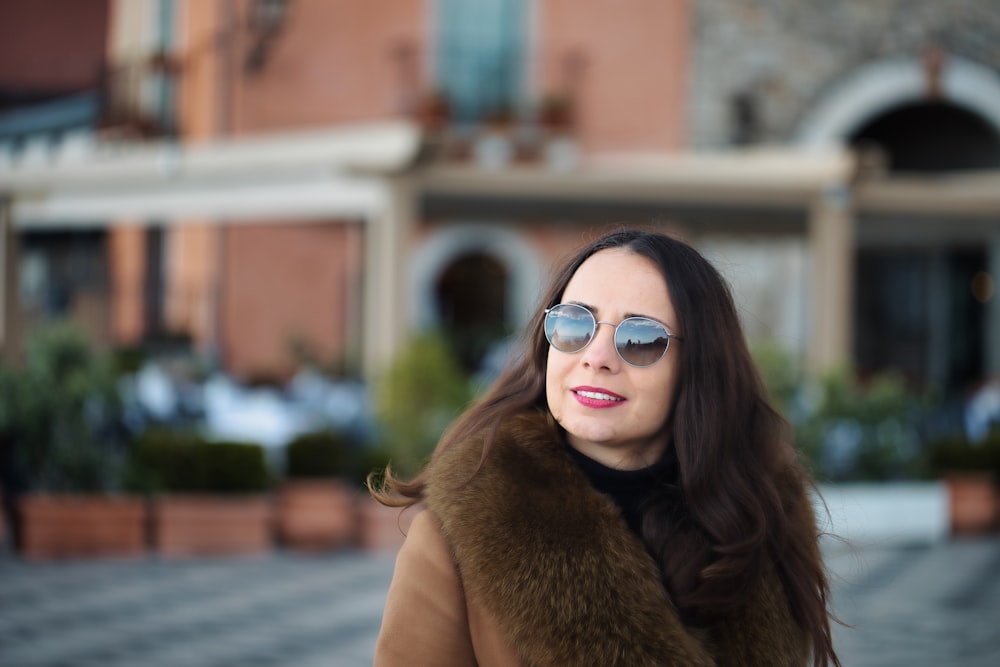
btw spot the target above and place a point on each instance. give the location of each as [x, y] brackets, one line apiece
[618, 281]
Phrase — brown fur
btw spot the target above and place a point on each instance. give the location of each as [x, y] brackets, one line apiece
[568, 582]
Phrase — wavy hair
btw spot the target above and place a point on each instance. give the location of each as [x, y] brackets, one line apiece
[742, 503]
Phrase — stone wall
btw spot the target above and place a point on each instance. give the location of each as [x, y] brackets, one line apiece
[770, 61]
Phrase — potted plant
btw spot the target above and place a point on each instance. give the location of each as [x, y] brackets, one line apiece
[970, 471]
[63, 451]
[556, 119]
[315, 500]
[433, 110]
[494, 146]
[209, 498]
[555, 113]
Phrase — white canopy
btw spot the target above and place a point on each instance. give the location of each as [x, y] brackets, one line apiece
[328, 173]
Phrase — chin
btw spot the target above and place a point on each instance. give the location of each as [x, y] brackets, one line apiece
[597, 436]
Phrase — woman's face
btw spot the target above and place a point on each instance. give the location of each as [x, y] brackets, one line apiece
[621, 420]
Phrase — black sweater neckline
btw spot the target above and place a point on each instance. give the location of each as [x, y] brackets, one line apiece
[629, 489]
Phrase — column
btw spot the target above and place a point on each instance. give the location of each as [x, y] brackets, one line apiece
[831, 243]
[10, 338]
[387, 241]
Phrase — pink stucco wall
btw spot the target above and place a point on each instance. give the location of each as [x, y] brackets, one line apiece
[52, 45]
[332, 62]
[633, 82]
[335, 63]
[288, 282]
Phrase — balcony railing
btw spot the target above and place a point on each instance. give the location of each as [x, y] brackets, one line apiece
[138, 99]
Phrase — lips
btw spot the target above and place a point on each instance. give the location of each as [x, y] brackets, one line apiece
[595, 397]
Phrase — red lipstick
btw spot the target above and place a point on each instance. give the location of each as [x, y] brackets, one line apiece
[596, 397]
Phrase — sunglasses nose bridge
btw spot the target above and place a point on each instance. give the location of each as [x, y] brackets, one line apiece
[613, 334]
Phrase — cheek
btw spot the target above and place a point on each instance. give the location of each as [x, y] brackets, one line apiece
[667, 390]
[553, 383]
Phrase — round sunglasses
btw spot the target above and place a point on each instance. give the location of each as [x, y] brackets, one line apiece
[639, 341]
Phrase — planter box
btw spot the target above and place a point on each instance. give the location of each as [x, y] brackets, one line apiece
[974, 506]
[316, 514]
[209, 525]
[72, 526]
[382, 528]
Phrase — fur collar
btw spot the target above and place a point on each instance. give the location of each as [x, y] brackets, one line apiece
[551, 559]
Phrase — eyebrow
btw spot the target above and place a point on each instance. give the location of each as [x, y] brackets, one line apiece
[594, 311]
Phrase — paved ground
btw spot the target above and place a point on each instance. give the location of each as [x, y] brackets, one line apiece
[289, 610]
[920, 606]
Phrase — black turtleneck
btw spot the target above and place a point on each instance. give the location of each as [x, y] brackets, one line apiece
[630, 489]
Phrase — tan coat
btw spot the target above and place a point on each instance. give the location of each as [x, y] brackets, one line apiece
[522, 563]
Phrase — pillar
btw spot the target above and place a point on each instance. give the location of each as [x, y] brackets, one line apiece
[831, 244]
[10, 338]
[387, 239]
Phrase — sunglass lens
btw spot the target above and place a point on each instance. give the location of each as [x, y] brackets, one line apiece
[569, 328]
[641, 341]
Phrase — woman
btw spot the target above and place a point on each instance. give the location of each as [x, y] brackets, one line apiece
[622, 495]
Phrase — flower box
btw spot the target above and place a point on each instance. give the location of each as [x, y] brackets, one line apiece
[316, 514]
[74, 526]
[213, 525]
[974, 503]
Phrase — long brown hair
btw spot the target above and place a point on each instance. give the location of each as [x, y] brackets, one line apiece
[742, 503]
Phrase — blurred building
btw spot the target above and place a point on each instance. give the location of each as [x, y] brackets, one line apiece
[254, 176]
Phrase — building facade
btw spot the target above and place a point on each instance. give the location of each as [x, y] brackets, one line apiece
[324, 178]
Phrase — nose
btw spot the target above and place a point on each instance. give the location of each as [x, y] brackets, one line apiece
[601, 352]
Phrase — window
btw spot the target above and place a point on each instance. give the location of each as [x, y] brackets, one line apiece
[480, 55]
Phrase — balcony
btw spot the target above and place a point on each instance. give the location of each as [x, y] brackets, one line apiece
[138, 99]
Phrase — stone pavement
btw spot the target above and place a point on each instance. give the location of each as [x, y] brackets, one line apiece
[919, 606]
[929, 605]
[281, 609]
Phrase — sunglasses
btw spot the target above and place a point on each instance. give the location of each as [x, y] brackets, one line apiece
[639, 341]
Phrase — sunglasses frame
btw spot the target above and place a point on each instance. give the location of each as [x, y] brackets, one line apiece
[593, 334]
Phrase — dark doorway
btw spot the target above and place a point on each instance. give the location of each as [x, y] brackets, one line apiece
[472, 302]
[931, 137]
[917, 311]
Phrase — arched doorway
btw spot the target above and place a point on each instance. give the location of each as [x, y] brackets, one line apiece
[916, 306]
[482, 280]
[471, 295]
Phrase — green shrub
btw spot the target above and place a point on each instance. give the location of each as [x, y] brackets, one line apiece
[59, 409]
[855, 430]
[958, 454]
[780, 372]
[173, 462]
[422, 391]
[317, 454]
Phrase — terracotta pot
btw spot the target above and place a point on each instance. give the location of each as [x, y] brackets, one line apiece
[316, 514]
[71, 526]
[974, 503]
[382, 528]
[210, 525]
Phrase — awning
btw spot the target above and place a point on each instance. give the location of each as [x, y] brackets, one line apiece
[328, 174]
